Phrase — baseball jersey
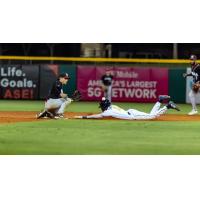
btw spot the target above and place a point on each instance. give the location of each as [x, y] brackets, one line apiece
[107, 79]
[195, 72]
[56, 90]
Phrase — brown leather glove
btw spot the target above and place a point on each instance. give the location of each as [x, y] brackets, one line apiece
[76, 96]
[196, 87]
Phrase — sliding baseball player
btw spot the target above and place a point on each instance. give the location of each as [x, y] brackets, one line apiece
[109, 110]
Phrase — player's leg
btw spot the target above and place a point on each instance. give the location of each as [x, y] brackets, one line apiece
[155, 108]
[163, 110]
[64, 104]
[109, 93]
[52, 104]
[138, 115]
[54, 108]
[51, 107]
[192, 97]
[157, 105]
[156, 111]
[106, 92]
[45, 113]
[160, 111]
[41, 114]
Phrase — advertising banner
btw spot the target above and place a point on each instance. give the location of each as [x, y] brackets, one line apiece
[19, 81]
[131, 84]
[48, 74]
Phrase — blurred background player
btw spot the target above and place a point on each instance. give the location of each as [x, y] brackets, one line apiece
[109, 110]
[57, 100]
[107, 85]
[195, 73]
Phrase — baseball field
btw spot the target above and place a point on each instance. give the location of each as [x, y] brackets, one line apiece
[21, 134]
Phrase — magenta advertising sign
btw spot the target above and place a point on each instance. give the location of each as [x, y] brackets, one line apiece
[131, 84]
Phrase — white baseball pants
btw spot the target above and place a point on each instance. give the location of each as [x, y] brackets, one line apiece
[58, 105]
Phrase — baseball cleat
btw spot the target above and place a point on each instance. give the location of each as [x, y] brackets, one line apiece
[59, 116]
[161, 98]
[193, 112]
[50, 115]
[41, 115]
[172, 105]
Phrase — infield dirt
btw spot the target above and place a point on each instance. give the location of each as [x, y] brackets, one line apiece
[25, 116]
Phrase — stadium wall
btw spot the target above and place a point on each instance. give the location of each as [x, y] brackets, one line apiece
[33, 81]
[72, 71]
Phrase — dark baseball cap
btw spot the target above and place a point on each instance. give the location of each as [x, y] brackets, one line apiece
[64, 75]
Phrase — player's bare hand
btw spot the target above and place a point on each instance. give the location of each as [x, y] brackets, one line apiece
[63, 95]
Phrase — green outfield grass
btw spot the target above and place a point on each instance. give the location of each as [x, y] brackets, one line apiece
[19, 105]
[94, 137]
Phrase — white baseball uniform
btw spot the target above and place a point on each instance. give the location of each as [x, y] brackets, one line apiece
[131, 114]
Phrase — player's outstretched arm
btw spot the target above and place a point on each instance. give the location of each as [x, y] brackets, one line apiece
[96, 116]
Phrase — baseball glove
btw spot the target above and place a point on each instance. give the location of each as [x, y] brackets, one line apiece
[196, 87]
[76, 96]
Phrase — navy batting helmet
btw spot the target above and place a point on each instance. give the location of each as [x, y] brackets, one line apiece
[193, 57]
[104, 104]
